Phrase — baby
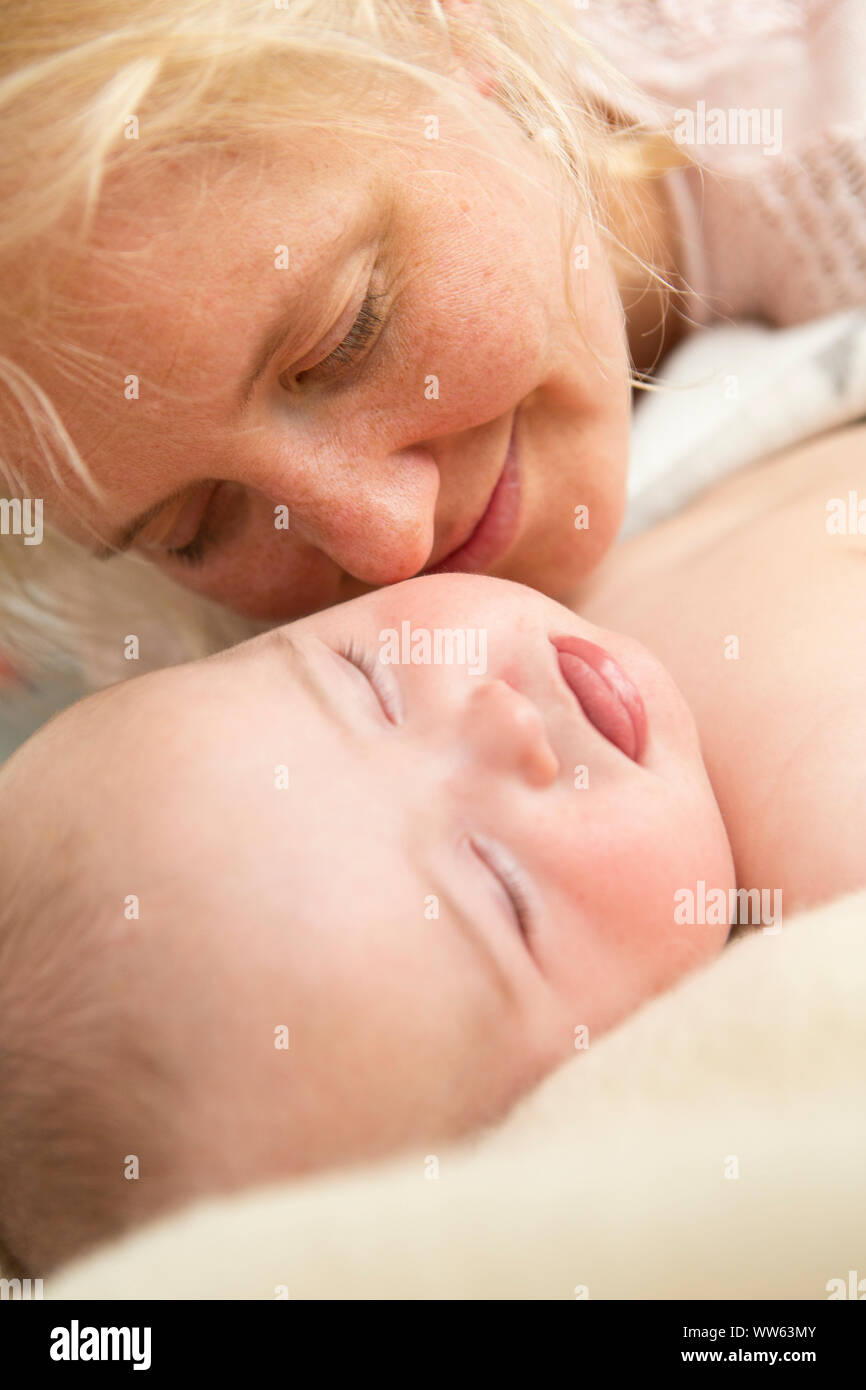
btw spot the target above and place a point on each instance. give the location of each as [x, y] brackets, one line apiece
[354, 885]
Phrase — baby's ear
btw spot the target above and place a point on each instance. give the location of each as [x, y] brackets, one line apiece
[479, 74]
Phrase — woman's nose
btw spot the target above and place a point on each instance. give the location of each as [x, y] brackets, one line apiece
[373, 517]
[508, 735]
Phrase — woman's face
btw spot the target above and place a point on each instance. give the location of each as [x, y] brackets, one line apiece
[293, 440]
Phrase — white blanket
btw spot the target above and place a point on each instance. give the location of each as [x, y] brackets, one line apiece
[736, 393]
[713, 1146]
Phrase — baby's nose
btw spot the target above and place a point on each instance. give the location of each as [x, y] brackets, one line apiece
[508, 735]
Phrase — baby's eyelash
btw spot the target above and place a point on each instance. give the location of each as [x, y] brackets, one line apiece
[358, 657]
[501, 867]
[365, 663]
[515, 891]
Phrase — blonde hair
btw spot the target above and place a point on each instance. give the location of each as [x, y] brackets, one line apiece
[193, 72]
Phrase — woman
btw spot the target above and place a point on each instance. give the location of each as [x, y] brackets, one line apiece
[358, 292]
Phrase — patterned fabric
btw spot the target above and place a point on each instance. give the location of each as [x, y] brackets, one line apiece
[770, 97]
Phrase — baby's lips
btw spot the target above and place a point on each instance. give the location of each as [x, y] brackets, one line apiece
[608, 697]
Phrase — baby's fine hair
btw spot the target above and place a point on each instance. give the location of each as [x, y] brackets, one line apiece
[85, 1093]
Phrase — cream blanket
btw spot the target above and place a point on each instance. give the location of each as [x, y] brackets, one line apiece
[713, 1146]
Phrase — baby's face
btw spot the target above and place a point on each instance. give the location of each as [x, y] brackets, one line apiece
[430, 874]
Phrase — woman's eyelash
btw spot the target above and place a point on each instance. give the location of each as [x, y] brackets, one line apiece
[344, 355]
[194, 551]
[364, 662]
[357, 338]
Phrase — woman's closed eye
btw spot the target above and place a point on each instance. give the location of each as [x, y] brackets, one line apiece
[194, 551]
[344, 356]
[219, 513]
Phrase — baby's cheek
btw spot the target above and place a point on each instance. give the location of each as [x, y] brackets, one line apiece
[615, 942]
[693, 917]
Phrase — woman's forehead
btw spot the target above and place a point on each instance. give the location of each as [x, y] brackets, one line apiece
[175, 295]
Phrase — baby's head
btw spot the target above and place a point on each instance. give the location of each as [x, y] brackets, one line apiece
[353, 885]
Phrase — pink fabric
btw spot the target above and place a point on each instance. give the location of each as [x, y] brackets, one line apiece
[782, 236]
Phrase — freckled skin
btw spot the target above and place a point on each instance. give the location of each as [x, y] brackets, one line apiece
[461, 237]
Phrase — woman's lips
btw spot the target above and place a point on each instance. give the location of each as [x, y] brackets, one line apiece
[608, 698]
[497, 527]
